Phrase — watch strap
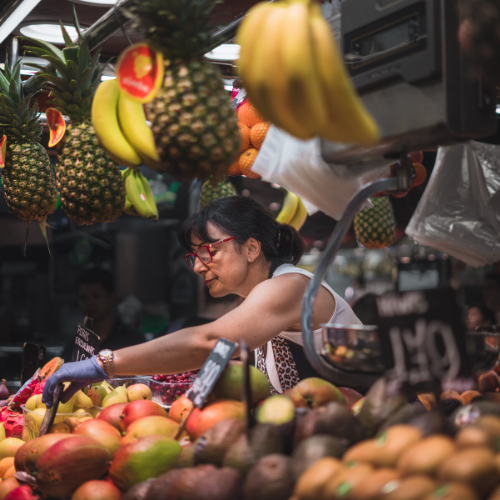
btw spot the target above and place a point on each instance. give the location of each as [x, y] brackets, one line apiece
[107, 361]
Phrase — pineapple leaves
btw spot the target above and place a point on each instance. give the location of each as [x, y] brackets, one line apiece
[71, 55]
[56, 80]
[67, 40]
[83, 56]
[48, 48]
[77, 25]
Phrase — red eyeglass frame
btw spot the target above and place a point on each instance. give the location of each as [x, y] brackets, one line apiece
[208, 247]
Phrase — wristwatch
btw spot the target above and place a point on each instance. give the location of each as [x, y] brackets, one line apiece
[106, 356]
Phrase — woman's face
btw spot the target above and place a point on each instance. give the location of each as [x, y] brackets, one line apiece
[475, 318]
[229, 267]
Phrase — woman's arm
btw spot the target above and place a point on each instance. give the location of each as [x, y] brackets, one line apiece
[269, 309]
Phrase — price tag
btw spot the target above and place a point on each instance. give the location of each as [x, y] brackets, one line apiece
[423, 340]
[86, 343]
[33, 357]
[211, 371]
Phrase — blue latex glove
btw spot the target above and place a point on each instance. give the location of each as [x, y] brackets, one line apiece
[80, 374]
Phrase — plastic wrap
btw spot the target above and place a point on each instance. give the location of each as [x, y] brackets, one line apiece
[459, 212]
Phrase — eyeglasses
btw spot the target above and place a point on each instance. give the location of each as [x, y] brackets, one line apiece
[203, 253]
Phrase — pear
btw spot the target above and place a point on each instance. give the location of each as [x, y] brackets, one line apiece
[2, 432]
[31, 403]
[82, 401]
[94, 411]
[81, 411]
[38, 402]
[107, 387]
[97, 393]
[122, 390]
[115, 397]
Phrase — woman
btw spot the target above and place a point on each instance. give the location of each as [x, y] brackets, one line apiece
[237, 247]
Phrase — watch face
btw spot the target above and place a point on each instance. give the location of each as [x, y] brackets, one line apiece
[106, 352]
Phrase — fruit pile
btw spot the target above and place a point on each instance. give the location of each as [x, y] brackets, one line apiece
[168, 388]
[253, 131]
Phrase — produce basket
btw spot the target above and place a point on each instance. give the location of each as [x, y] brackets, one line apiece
[167, 388]
[127, 381]
[33, 420]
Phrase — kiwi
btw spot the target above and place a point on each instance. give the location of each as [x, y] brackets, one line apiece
[453, 491]
[312, 483]
[369, 488]
[345, 482]
[270, 479]
[426, 456]
[411, 488]
[474, 466]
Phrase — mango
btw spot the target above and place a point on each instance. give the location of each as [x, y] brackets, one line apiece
[147, 426]
[9, 446]
[38, 446]
[139, 391]
[97, 490]
[96, 394]
[145, 458]
[139, 409]
[101, 431]
[31, 403]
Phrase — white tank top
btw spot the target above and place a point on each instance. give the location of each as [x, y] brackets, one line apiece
[342, 314]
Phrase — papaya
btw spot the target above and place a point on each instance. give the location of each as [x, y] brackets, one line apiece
[51, 367]
[69, 463]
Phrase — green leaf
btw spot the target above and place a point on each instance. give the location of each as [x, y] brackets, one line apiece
[48, 47]
[73, 85]
[57, 81]
[71, 54]
[73, 72]
[77, 25]
[67, 40]
[83, 56]
[61, 67]
[85, 79]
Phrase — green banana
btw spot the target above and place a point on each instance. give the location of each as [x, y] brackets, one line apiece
[140, 196]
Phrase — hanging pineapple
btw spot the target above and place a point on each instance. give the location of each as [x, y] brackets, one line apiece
[28, 179]
[90, 185]
[212, 192]
[194, 126]
[375, 227]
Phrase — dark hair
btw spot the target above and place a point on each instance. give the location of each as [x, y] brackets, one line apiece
[486, 313]
[245, 218]
[96, 275]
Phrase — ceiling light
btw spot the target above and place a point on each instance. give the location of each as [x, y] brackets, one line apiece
[48, 32]
[15, 15]
[224, 52]
[102, 3]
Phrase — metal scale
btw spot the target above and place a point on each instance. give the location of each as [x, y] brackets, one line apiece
[405, 61]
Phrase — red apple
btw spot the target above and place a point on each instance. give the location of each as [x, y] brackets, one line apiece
[139, 409]
[179, 408]
[313, 392]
[112, 414]
[488, 381]
[350, 395]
[201, 420]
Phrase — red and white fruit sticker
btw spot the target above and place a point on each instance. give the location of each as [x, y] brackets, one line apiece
[3, 150]
[140, 72]
[57, 126]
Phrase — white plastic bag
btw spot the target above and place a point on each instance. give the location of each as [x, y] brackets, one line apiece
[297, 166]
[459, 212]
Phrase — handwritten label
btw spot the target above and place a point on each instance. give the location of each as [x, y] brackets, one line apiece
[211, 371]
[86, 343]
[421, 331]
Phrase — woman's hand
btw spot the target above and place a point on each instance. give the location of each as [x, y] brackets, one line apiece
[80, 374]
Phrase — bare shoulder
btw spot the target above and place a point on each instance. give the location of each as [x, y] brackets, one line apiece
[286, 286]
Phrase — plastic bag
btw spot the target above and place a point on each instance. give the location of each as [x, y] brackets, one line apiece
[459, 212]
[297, 166]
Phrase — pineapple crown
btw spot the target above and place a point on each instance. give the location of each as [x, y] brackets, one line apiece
[73, 72]
[180, 28]
[18, 121]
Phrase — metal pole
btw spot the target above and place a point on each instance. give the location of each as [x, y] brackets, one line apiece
[11, 51]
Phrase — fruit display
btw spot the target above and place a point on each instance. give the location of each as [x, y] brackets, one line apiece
[28, 179]
[253, 131]
[89, 181]
[194, 128]
[139, 199]
[168, 388]
[293, 212]
[375, 227]
[293, 73]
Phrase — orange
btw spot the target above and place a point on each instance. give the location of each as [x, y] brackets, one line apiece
[10, 472]
[245, 136]
[248, 115]
[5, 465]
[420, 174]
[246, 161]
[258, 133]
[234, 169]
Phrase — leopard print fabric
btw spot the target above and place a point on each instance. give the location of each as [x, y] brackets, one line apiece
[285, 364]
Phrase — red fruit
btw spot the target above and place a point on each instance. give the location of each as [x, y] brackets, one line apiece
[350, 395]
[12, 421]
[356, 407]
[139, 409]
[19, 457]
[179, 408]
[38, 447]
[102, 431]
[6, 486]
[66, 465]
[112, 414]
[488, 382]
[4, 392]
[147, 426]
[23, 492]
[312, 392]
[97, 490]
[201, 420]
[417, 157]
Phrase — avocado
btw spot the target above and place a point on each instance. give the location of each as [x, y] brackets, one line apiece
[270, 479]
[312, 449]
[139, 491]
[466, 415]
[174, 485]
[450, 405]
[185, 458]
[219, 484]
[213, 445]
[162, 484]
[333, 419]
[433, 422]
[404, 415]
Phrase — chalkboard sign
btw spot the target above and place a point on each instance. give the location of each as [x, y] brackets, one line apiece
[33, 358]
[423, 340]
[86, 343]
[211, 371]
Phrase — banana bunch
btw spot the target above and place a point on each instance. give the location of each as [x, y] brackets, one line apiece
[120, 124]
[139, 198]
[293, 212]
[294, 75]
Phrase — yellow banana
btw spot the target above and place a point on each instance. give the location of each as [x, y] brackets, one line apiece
[247, 35]
[304, 96]
[348, 120]
[138, 194]
[268, 80]
[150, 199]
[299, 217]
[105, 121]
[290, 204]
[136, 130]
